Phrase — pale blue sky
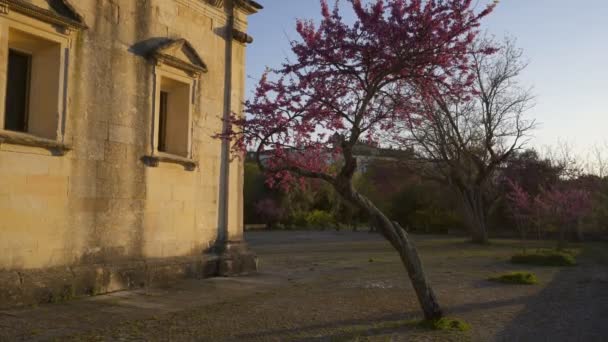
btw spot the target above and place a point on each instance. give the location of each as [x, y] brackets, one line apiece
[566, 42]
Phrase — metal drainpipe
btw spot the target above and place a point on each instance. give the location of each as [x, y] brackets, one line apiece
[225, 154]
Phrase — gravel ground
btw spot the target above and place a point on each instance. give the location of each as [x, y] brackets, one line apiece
[339, 286]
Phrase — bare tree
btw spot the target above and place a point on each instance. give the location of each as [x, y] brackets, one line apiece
[462, 140]
[563, 157]
[598, 163]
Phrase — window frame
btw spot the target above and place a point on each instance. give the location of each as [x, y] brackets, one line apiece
[178, 61]
[161, 71]
[47, 34]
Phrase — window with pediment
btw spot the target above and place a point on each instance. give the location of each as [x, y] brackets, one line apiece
[176, 73]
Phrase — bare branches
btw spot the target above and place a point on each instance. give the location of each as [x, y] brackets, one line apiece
[471, 135]
[471, 122]
[598, 160]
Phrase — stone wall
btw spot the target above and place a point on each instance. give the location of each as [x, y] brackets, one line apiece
[99, 209]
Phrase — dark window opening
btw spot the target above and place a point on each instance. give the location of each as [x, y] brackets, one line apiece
[17, 91]
[162, 121]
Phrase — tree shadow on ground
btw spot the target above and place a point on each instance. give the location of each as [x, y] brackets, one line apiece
[347, 330]
[572, 307]
[335, 325]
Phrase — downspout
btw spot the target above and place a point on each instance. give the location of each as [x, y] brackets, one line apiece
[222, 237]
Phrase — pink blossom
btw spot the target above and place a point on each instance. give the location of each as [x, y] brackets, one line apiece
[360, 81]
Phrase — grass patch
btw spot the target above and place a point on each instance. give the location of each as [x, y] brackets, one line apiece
[445, 324]
[546, 258]
[525, 278]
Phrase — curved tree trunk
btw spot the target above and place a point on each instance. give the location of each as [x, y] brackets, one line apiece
[399, 239]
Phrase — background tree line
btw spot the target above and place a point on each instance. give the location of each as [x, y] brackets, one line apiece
[427, 206]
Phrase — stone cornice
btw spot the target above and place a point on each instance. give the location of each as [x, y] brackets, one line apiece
[42, 14]
[248, 6]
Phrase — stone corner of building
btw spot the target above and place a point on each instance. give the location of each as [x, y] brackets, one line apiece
[236, 259]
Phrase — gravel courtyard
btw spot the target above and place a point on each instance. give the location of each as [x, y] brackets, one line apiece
[341, 286]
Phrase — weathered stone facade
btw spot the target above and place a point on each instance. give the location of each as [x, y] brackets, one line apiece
[88, 201]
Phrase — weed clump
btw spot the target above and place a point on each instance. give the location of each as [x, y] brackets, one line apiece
[445, 324]
[524, 278]
[545, 258]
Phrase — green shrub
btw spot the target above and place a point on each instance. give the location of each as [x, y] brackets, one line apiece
[298, 219]
[319, 219]
[434, 220]
[445, 324]
[525, 278]
[545, 258]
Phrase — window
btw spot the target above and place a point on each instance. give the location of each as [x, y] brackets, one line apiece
[162, 125]
[177, 68]
[17, 91]
[34, 84]
[173, 113]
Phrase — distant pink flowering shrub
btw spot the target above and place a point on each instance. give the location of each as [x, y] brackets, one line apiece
[563, 205]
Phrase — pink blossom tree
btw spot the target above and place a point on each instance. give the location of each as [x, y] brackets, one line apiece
[521, 206]
[563, 204]
[269, 211]
[567, 206]
[351, 83]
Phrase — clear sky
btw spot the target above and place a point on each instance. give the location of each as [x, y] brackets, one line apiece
[566, 42]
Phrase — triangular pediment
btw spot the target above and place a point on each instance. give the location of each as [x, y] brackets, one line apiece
[59, 12]
[179, 53]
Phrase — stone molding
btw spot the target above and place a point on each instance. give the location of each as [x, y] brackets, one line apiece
[155, 159]
[17, 138]
[177, 63]
[241, 37]
[45, 15]
[248, 6]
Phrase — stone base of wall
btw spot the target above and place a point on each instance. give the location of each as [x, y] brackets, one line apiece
[58, 284]
[236, 259]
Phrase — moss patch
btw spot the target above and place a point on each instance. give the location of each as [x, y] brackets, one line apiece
[546, 258]
[445, 324]
[525, 278]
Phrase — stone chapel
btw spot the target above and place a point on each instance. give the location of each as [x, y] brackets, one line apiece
[110, 175]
